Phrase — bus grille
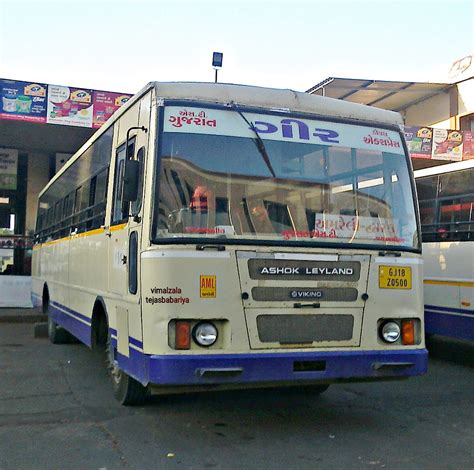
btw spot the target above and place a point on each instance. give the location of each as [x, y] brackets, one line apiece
[292, 329]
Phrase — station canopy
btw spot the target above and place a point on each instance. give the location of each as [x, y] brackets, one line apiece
[44, 138]
[394, 96]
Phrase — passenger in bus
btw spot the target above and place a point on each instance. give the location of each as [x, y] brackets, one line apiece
[202, 200]
[443, 233]
[261, 219]
[202, 206]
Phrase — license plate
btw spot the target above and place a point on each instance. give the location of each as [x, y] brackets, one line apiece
[394, 277]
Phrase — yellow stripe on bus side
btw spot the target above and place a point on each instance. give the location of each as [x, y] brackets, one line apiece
[96, 231]
[448, 283]
[53, 242]
[115, 228]
[90, 232]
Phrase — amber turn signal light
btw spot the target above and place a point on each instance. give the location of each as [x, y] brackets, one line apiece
[182, 335]
[408, 332]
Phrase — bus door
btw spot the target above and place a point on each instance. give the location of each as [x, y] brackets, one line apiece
[126, 230]
[126, 219]
[118, 231]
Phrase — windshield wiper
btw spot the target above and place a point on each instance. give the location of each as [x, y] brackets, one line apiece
[258, 140]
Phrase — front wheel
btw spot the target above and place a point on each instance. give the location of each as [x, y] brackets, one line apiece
[127, 390]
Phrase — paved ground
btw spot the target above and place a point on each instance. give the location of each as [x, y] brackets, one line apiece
[57, 412]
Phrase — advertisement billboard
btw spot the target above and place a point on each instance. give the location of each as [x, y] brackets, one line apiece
[105, 104]
[23, 101]
[8, 168]
[69, 106]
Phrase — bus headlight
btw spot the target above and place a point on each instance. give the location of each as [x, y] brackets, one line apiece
[390, 332]
[205, 334]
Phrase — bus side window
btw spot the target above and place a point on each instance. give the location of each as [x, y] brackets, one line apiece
[137, 205]
[98, 204]
[77, 207]
[120, 213]
[117, 209]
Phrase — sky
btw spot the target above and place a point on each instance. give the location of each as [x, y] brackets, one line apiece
[122, 45]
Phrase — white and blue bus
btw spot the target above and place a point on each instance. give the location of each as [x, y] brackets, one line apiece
[446, 199]
[228, 236]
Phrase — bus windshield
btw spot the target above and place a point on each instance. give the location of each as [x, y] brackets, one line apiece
[306, 181]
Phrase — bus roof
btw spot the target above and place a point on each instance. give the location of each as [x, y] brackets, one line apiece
[447, 168]
[247, 95]
[273, 98]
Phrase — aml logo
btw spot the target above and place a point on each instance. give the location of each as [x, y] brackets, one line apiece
[306, 294]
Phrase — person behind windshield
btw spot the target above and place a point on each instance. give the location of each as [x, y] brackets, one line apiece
[202, 200]
[202, 206]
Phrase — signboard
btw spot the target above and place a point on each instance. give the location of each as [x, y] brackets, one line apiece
[349, 227]
[419, 141]
[197, 120]
[23, 101]
[8, 168]
[207, 285]
[105, 104]
[69, 106]
[447, 145]
[439, 144]
[468, 145]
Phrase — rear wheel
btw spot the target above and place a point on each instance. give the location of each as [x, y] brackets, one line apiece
[56, 333]
[127, 390]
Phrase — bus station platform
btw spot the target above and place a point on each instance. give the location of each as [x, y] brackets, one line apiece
[21, 315]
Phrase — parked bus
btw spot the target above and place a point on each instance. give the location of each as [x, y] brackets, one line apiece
[446, 198]
[227, 236]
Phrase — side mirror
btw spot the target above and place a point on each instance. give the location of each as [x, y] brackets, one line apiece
[130, 181]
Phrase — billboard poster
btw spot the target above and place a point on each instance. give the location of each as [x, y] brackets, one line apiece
[23, 101]
[8, 168]
[69, 106]
[105, 104]
[447, 145]
[419, 141]
[468, 145]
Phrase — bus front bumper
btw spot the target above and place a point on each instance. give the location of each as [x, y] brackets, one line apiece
[189, 369]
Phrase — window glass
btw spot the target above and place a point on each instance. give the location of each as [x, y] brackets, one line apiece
[94, 158]
[446, 206]
[456, 183]
[77, 199]
[427, 187]
[215, 186]
[101, 187]
[117, 213]
[136, 205]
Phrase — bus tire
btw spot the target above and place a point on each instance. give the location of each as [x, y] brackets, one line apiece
[127, 390]
[57, 334]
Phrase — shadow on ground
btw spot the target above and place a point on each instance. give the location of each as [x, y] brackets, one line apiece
[447, 349]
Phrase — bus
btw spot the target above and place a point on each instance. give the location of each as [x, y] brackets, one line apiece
[214, 236]
[446, 199]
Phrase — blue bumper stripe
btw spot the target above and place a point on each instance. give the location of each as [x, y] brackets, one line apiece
[276, 367]
[188, 369]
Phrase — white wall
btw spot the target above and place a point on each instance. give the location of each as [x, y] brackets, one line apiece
[466, 96]
[431, 112]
